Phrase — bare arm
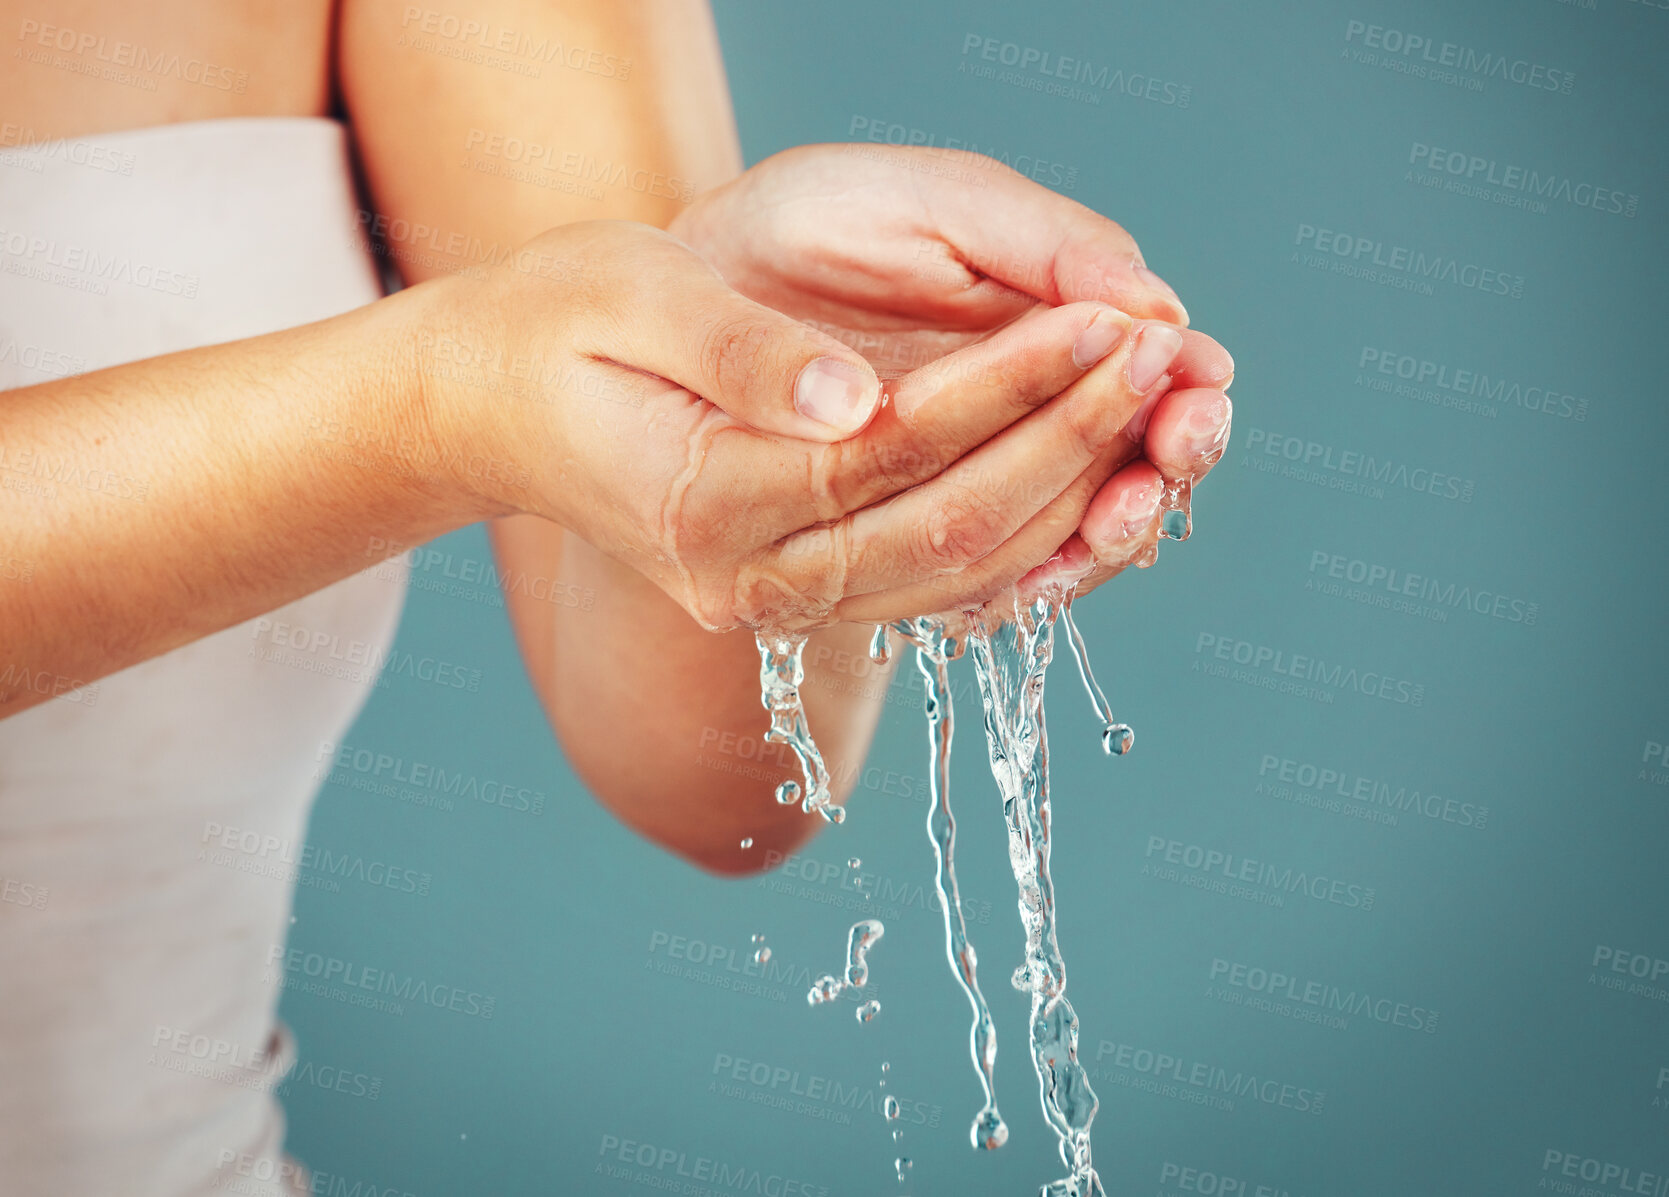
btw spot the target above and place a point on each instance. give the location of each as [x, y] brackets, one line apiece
[644, 701]
[190, 492]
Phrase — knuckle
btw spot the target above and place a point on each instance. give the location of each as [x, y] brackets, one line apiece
[1090, 426]
[730, 349]
[898, 465]
[846, 475]
[713, 607]
[841, 475]
[958, 531]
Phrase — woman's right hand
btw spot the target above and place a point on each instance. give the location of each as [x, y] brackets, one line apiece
[745, 462]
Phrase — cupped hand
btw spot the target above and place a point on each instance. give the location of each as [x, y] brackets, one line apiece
[910, 254]
[973, 472]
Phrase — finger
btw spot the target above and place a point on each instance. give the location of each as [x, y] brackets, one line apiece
[1188, 432]
[1121, 524]
[1027, 237]
[677, 318]
[932, 419]
[1072, 562]
[1102, 574]
[1122, 518]
[939, 413]
[1202, 362]
[941, 531]
[993, 578]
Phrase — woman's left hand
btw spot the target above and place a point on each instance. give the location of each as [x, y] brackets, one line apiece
[908, 254]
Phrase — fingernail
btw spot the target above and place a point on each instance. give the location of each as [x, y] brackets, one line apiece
[1156, 348]
[1206, 431]
[1136, 508]
[1137, 428]
[1098, 340]
[835, 393]
[1071, 564]
[1158, 284]
[1057, 572]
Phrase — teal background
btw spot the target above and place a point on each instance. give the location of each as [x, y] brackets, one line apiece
[563, 916]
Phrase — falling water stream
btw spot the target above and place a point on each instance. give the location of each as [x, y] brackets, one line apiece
[934, 652]
[781, 670]
[1010, 660]
[1011, 657]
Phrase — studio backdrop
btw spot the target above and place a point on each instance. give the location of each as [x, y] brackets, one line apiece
[1376, 905]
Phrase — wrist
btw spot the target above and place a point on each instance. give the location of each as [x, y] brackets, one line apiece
[447, 401]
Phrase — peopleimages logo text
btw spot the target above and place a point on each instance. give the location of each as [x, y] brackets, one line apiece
[1361, 251]
[426, 775]
[1315, 460]
[1455, 596]
[1411, 46]
[1276, 984]
[1112, 1058]
[684, 1172]
[1609, 1174]
[1371, 791]
[296, 965]
[1476, 169]
[1472, 383]
[825, 1092]
[1310, 669]
[1078, 71]
[1231, 866]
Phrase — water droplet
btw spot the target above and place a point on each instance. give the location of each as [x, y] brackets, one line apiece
[761, 955]
[1116, 738]
[891, 1109]
[897, 1135]
[902, 1166]
[1177, 522]
[854, 863]
[781, 672]
[747, 842]
[989, 1131]
[865, 934]
[868, 1011]
[880, 649]
[758, 937]
[885, 1067]
[824, 989]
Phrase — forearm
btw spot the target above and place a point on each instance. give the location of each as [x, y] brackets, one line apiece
[638, 693]
[663, 720]
[160, 501]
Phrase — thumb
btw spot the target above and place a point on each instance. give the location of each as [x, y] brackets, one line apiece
[762, 367]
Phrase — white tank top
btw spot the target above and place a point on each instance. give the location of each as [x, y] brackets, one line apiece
[138, 1037]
